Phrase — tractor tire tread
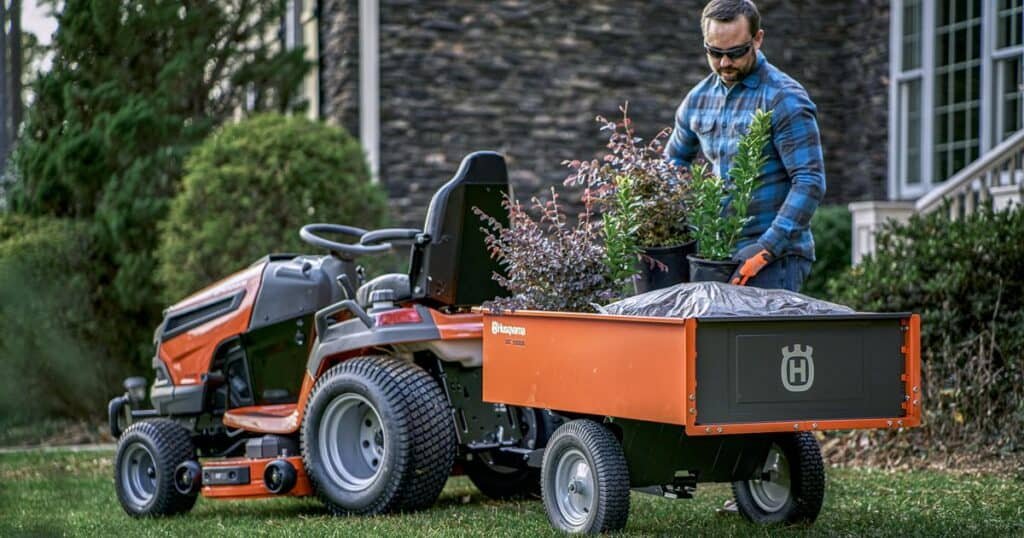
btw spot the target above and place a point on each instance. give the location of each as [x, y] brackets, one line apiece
[172, 444]
[423, 422]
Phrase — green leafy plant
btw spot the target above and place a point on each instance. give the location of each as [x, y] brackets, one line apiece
[964, 277]
[642, 198]
[620, 230]
[719, 208]
[832, 230]
[133, 86]
[52, 358]
[249, 188]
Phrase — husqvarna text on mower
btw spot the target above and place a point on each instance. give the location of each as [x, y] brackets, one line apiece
[295, 377]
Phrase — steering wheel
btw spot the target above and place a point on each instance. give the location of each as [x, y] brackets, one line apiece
[310, 234]
[375, 237]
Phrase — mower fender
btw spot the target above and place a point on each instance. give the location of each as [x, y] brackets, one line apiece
[355, 334]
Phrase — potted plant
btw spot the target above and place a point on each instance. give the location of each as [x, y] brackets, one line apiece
[643, 200]
[548, 263]
[718, 209]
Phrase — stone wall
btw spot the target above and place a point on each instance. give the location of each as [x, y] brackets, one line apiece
[526, 78]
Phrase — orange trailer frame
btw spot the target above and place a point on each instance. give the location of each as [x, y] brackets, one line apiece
[642, 368]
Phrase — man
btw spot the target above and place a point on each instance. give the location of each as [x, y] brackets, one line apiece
[776, 248]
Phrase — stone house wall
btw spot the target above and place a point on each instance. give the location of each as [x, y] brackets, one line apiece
[526, 78]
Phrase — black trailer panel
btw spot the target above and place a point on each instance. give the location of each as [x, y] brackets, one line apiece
[783, 369]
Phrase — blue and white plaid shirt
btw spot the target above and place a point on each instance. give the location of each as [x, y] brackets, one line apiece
[713, 117]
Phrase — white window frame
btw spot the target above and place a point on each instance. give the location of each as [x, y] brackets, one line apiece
[898, 187]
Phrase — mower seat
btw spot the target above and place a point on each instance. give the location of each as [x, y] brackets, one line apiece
[396, 282]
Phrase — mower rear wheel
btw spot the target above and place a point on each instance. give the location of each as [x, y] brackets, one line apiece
[585, 480]
[377, 437]
[147, 455]
[791, 488]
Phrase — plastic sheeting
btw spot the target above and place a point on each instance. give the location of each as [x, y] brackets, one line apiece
[717, 299]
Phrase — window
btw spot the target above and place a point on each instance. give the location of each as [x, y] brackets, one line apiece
[1007, 55]
[909, 82]
[958, 86]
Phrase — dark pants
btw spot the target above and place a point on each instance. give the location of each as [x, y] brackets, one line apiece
[787, 273]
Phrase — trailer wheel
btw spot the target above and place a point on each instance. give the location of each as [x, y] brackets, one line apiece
[377, 437]
[585, 480]
[791, 488]
[148, 452]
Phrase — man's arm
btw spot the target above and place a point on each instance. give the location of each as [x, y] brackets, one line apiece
[683, 145]
[798, 141]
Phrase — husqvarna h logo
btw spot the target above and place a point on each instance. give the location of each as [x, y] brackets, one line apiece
[797, 368]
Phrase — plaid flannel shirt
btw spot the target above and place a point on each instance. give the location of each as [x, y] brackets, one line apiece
[712, 118]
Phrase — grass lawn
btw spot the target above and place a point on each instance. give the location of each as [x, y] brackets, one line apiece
[73, 493]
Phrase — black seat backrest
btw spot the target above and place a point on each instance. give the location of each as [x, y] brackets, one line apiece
[454, 267]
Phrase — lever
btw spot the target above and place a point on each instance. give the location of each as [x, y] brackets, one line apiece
[346, 286]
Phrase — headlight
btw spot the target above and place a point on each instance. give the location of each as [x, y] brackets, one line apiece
[136, 388]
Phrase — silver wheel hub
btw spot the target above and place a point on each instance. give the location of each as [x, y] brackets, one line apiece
[138, 474]
[574, 487]
[772, 491]
[352, 442]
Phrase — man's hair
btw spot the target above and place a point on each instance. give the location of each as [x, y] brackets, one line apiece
[728, 10]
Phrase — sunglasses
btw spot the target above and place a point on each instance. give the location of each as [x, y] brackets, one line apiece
[734, 53]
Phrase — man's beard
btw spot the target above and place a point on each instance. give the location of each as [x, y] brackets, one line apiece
[733, 74]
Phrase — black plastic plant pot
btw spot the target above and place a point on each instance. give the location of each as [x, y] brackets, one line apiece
[702, 270]
[676, 269]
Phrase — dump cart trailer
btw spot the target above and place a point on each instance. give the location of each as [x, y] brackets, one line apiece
[662, 404]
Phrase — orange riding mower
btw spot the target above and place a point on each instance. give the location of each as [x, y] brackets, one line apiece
[297, 377]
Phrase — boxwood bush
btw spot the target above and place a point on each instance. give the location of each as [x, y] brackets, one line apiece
[248, 189]
[53, 361]
[966, 279]
[831, 227]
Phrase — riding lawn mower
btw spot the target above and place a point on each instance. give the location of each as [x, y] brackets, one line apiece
[297, 376]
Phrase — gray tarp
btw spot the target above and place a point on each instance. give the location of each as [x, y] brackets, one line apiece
[716, 299]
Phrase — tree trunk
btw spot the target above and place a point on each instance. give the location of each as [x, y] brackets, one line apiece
[16, 59]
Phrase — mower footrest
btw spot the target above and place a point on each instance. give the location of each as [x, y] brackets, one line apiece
[276, 418]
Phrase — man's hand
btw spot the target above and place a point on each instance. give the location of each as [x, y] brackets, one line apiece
[752, 258]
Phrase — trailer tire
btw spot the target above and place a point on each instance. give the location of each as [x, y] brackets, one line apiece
[377, 437]
[148, 453]
[796, 490]
[585, 479]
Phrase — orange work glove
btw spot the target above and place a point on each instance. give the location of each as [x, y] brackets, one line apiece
[752, 258]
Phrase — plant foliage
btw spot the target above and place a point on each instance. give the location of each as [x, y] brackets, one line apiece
[720, 207]
[966, 279]
[250, 187]
[549, 264]
[832, 231]
[133, 86]
[51, 361]
[642, 197]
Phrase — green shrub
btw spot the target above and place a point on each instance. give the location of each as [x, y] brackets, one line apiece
[966, 279]
[832, 231]
[249, 188]
[51, 361]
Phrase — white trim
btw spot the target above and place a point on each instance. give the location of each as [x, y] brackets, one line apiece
[895, 59]
[369, 83]
[988, 40]
[927, 100]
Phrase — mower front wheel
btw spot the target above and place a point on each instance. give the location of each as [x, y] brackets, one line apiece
[791, 485]
[147, 455]
[377, 437]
